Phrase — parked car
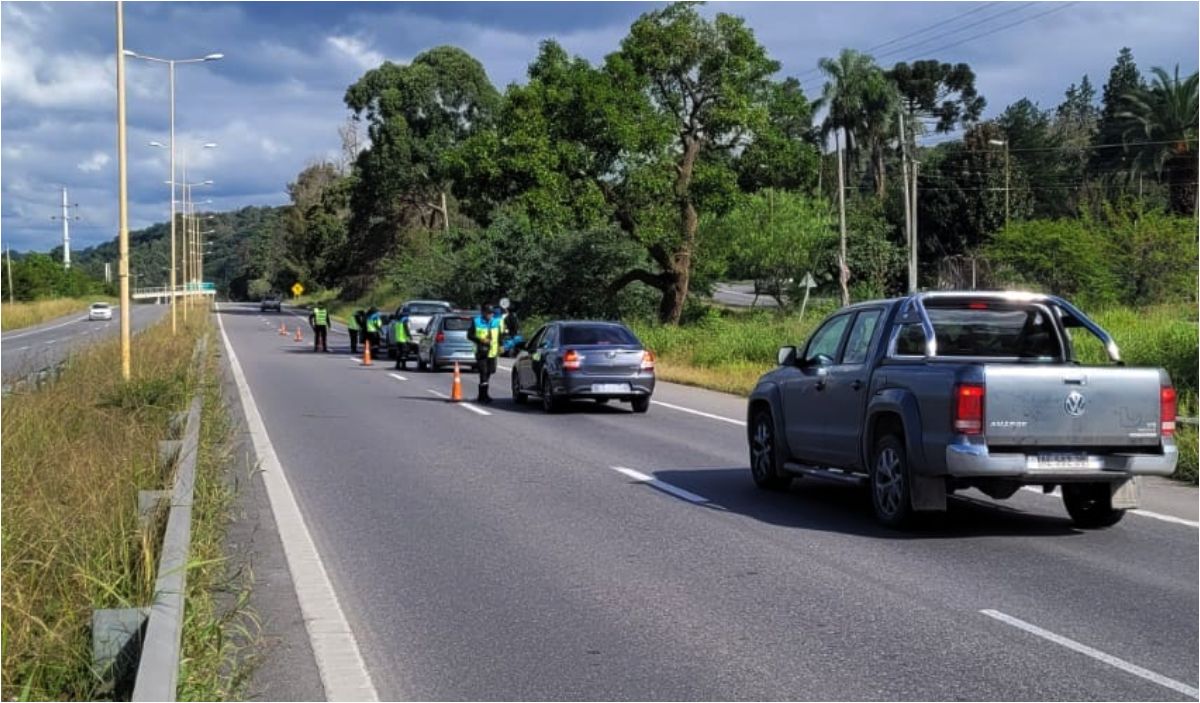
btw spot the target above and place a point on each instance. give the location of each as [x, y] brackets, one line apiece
[271, 302]
[447, 340]
[100, 311]
[922, 396]
[602, 361]
[419, 312]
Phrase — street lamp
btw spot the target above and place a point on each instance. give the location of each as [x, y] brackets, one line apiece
[1004, 143]
[171, 79]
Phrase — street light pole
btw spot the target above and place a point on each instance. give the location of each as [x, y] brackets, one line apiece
[1007, 172]
[122, 196]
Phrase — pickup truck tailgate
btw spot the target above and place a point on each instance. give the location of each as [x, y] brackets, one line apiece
[1071, 407]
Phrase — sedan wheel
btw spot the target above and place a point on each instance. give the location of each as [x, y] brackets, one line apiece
[549, 403]
[517, 396]
[764, 459]
[889, 482]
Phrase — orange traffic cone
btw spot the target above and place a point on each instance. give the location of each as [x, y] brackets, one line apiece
[299, 337]
[456, 387]
[282, 330]
[366, 360]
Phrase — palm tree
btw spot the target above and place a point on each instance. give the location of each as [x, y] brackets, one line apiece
[1163, 136]
[860, 101]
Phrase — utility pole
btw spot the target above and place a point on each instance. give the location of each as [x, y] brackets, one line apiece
[844, 270]
[913, 271]
[66, 218]
[12, 296]
[108, 272]
[908, 221]
[122, 195]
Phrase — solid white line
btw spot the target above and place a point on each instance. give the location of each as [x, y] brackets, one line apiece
[468, 406]
[18, 335]
[1109, 659]
[343, 672]
[710, 416]
[397, 376]
[49, 341]
[1136, 511]
[22, 348]
[661, 485]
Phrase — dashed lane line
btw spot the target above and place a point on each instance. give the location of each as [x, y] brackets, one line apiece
[662, 486]
[18, 335]
[1178, 686]
[701, 413]
[468, 406]
[398, 377]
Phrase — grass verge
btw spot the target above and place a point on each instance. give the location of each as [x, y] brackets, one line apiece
[75, 454]
[24, 314]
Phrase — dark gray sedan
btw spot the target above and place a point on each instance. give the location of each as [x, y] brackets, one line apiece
[601, 361]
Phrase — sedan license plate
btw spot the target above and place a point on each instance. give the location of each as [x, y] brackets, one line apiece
[610, 387]
[1062, 460]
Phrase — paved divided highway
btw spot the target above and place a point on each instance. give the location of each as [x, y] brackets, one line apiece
[500, 553]
[30, 349]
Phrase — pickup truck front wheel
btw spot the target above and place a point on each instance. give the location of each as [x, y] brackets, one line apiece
[1090, 504]
[764, 454]
[890, 492]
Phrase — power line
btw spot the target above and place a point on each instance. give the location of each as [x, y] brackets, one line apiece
[1010, 25]
[985, 20]
[1000, 150]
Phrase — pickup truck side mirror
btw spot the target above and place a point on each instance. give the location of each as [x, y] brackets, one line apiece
[786, 356]
[819, 362]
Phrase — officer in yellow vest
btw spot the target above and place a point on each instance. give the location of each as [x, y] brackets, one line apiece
[401, 337]
[319, 319]
[353, 326]
[485, 333]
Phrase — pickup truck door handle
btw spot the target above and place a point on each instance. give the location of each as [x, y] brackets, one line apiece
[856, 384]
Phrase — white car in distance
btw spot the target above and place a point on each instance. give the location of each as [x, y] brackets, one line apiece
[100, 311]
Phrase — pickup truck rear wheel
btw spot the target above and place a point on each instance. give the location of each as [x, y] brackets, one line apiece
[890, 487]
[1090, 504]
[764, 454]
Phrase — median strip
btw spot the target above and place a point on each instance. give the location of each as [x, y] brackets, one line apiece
[1096, 654]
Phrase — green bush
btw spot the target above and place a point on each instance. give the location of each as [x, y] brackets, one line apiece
[1067, 257]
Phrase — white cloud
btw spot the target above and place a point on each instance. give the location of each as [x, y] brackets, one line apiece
[357, 50]
[95, 162]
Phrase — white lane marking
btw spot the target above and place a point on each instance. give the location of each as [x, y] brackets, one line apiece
[1109, 659]
[22, 348]
[468, 406]
[701, 413]
[1057, 492]
[49, 341]
[18, 335]
[397, 376]
[343, 672]
[661, 485]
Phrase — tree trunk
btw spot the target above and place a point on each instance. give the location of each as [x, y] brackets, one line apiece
[1181, 183]
[878, 170]
[679, 274]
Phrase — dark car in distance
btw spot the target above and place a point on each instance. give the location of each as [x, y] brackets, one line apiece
[270, 302]
[568, 360]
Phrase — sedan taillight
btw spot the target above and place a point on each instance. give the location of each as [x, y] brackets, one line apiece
[572, 360]
[647, 360]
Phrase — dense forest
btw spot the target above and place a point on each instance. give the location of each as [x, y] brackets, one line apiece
[683, 158]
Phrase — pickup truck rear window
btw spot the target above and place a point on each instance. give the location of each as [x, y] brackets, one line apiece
[1016, 331]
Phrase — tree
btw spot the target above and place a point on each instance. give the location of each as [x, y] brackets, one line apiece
[1109, 157]
[415, 114]
[931, 90]
[1069, 257]
[861, 102]
[783, 154]
[1073, 132]
[1162, 138]
[776, 237]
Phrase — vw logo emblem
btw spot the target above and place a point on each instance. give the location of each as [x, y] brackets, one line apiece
[610, 354]
[1075, 403]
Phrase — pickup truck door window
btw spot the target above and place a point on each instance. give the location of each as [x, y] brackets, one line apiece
[804, 390]
[845, 394]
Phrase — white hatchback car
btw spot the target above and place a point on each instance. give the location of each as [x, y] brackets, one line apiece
[100, 311]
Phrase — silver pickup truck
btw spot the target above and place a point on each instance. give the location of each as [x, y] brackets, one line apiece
[921, 396]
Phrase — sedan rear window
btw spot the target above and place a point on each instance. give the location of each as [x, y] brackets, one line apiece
[99, 306]
[456, 324]
[597, 334]
[1024, 332]
[426, 309]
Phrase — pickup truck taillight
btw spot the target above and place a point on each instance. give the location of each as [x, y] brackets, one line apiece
[571, 360]
[441, 337]
[968, 408]
[1166, 411]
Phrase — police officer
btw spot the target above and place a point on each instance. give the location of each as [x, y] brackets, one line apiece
[374, 324]
[401, 338]
[353, 325]
[319, 319]
[486, 335]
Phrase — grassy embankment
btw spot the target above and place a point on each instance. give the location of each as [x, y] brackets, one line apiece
[24, 314]
[75, 454]
[729, 350]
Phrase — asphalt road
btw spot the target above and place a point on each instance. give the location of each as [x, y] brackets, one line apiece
[30, 349]
[504, 556]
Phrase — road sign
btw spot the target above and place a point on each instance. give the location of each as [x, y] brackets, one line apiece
[297, 289]
[808, 281]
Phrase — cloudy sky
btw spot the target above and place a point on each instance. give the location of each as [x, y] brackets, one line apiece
[275, 102]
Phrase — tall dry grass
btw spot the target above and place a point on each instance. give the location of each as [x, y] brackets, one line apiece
[24, 314]
[75, 454]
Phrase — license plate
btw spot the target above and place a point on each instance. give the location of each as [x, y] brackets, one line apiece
[1062, 460]
[610, 387]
